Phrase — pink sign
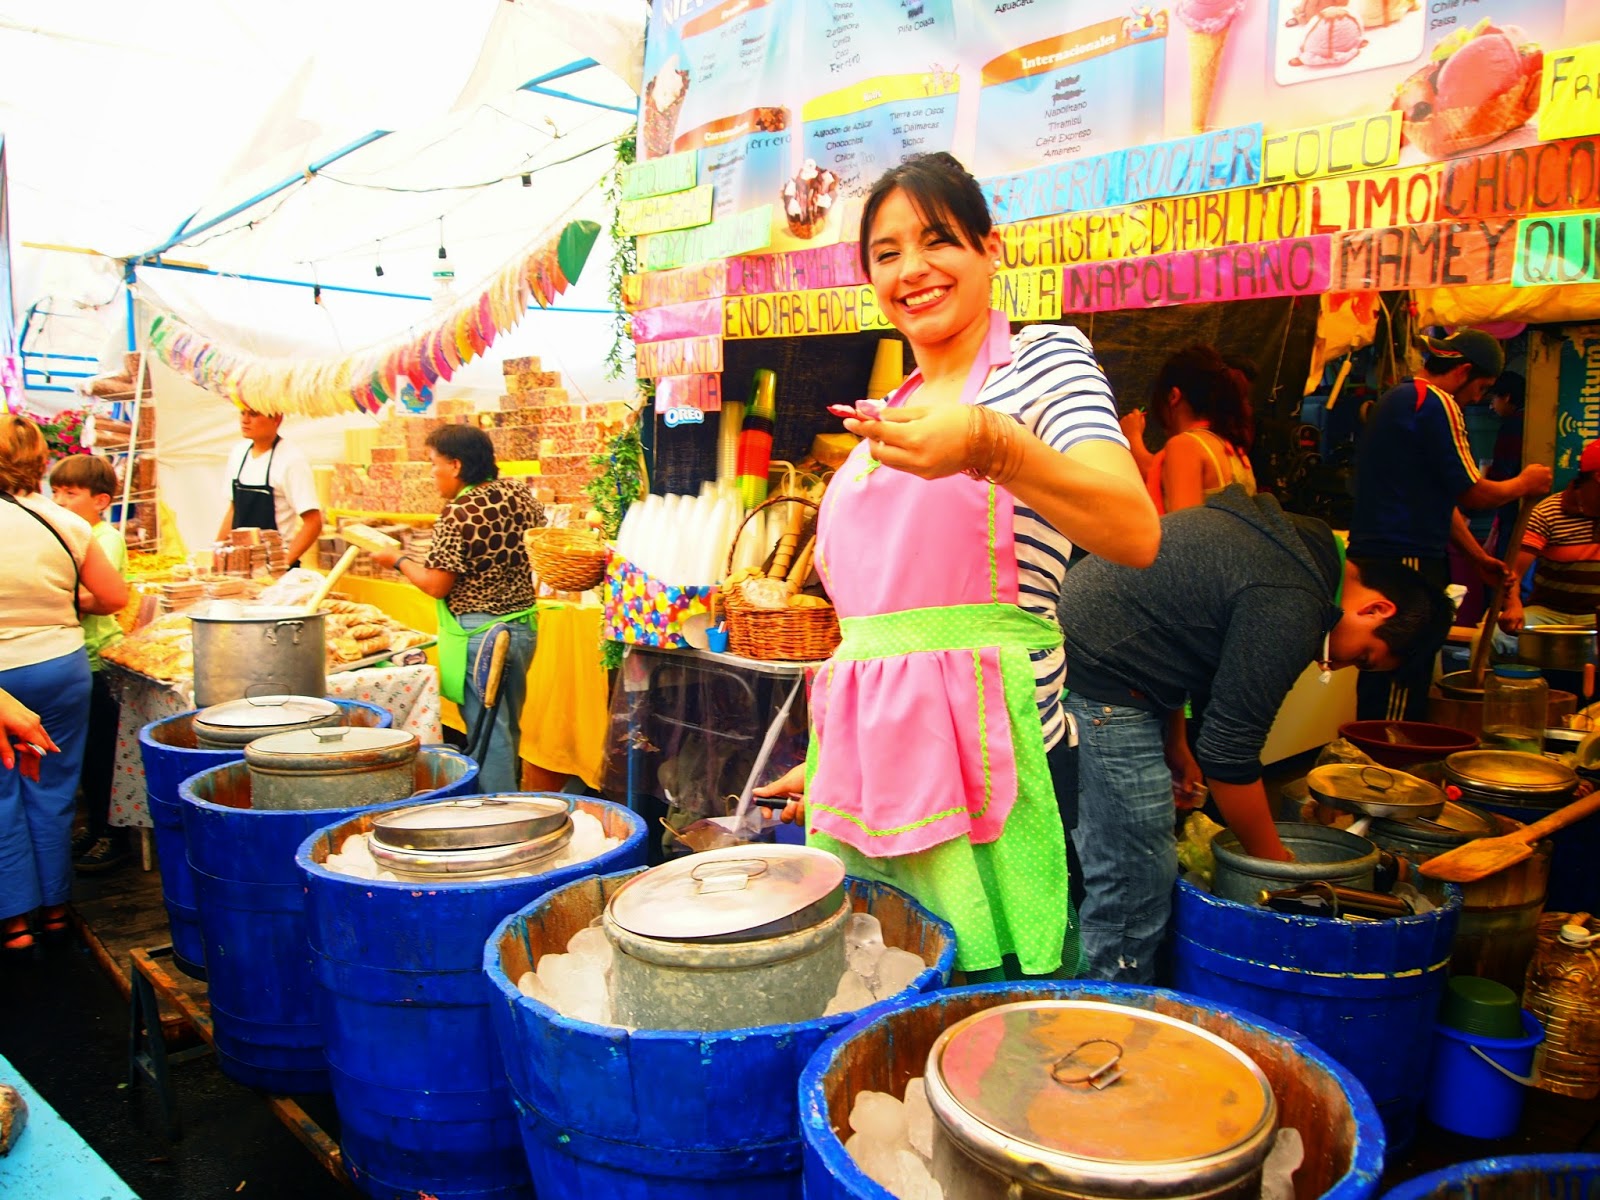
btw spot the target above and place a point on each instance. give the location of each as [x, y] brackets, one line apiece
[1296, 267]
[694, 319]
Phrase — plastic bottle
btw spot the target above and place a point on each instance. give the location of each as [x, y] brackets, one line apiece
[1516, 701]
[1563, 992]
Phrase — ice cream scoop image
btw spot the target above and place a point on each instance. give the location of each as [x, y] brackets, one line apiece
[1333, 39]
[1484, 67]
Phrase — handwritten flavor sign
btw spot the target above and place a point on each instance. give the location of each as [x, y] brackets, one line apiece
[1569, 93]
[1556, 250]
[674, 173]
[720, 239]
[657, 214]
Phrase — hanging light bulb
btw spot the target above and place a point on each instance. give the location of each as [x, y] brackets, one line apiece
[444, 276]
[442, 253]
[377, 267]
[527, 179]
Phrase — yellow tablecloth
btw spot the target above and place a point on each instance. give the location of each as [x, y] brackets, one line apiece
[564, 721]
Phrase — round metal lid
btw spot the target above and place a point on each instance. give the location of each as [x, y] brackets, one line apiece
[1087, 1094]
[257, 712]
[472, 823]
[1374, 791]
[734, 890]
[330, 744]
[1510, 771]
[465, 863]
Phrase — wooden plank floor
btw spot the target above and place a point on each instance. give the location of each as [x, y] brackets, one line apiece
[121, 911]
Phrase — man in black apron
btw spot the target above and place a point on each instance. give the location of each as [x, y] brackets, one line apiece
[262, 495]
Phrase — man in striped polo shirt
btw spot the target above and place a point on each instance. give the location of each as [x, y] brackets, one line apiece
[1413, 469]
[1562, 544]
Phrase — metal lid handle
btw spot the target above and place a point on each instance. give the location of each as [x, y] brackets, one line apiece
[1100, 1077]
[331, 733]
[728, 875]
[1388, 776]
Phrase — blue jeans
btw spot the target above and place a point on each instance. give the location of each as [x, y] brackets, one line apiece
[1127, 855]
[36, 817]
[500, 770]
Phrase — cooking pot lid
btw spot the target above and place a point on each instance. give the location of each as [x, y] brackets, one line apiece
[233, 610]
[259, 712]
[1510, 771]
[1077, 1086]
[330, 743]
[1374, 791]
[472, 823]
[726, 891]
[1573, 631]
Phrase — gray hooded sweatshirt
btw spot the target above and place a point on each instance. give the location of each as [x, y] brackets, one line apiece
[1231, 612]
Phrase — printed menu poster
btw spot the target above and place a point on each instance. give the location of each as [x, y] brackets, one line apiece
[1072, 93]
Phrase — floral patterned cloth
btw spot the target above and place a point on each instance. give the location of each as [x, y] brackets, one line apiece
[411, 694]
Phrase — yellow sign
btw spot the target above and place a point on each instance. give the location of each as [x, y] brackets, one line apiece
[1029, 295]
[1381, 200]
[801, 314]
[1342, 148]
[1203, 221]
[657, 214]
[1569, 93]
[847, 102]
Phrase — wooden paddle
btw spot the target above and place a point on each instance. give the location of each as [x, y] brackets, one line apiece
[1481, 858]
[326, 586]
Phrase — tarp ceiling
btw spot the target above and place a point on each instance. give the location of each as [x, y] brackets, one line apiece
[126, 123]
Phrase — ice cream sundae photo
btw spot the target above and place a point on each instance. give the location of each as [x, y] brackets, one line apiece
[808, 198]
[1480, 84]
[663, 101]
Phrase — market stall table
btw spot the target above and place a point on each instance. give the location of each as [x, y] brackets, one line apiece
[411, 694]
[50, 1161]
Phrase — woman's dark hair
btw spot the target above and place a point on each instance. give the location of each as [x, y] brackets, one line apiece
[1422, 612]
[469, 446]
[941, 190]
[1217, 393]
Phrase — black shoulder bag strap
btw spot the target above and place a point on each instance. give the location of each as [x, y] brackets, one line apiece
[77, 571]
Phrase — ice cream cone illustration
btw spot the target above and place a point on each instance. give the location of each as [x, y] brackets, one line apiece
[1209, 23]
[663, 101]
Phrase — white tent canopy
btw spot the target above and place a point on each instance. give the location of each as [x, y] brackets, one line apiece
[249, 141]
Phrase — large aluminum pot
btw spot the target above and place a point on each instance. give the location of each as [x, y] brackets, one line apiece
[241, 652]
[237, 723]
[1321, 853]
[335, 766]
[1556, 647]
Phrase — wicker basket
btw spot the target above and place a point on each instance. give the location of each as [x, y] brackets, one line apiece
[569, 560]
[777, 634]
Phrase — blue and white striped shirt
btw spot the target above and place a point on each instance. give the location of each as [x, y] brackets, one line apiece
[1056, 389]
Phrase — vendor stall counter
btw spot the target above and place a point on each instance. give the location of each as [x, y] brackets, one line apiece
[50, 1161]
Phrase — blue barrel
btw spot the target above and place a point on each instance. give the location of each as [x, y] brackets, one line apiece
[1514, 1177]
[1341, 1128]
[171, 754]
[253, 924]
[665, 1114]
[1366, 992]
[417, 1074]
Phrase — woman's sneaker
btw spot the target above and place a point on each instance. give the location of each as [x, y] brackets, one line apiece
[105, 855]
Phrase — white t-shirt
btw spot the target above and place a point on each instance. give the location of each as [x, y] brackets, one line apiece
[294, 491]
[37, 619]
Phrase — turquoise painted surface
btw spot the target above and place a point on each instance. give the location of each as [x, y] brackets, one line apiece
[50, 1160]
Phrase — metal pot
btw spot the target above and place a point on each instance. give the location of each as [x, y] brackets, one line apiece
[1321, 853]
[472, 838]
[1555, 647]
[234, 725]
[336, 766]
[1503, 778]
[1077, 1098]
[240, 651]
[745, 935]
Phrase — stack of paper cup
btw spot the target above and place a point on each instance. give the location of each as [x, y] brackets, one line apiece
[888, 369]
[732, 422]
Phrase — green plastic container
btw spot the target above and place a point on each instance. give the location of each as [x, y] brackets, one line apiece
[1481, 1006]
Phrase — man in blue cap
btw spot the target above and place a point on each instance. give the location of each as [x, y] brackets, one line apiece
[1414, 468]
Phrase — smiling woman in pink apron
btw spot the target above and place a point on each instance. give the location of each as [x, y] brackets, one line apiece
[937, 725]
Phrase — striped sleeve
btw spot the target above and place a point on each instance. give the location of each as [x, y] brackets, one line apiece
[1540, 521]
[1447, 443]
[1057, 389]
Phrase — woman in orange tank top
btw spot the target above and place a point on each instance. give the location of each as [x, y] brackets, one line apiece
[1202, 405]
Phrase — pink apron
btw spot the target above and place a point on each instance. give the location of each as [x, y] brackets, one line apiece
[915, 715]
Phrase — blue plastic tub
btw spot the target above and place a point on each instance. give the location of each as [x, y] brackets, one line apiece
[664, 1114]
[253, 924]
[1515, 1177]
[1467, 1095]
[418, 1078]
[1366, 992]
[1344, 1137]
[172, 754]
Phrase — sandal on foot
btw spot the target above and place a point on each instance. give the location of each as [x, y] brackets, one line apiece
[54, 921]
[16, 937]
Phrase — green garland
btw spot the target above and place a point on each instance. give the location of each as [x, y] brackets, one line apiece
[624, 262]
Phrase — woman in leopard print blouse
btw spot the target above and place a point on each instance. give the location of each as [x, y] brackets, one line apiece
[478, 570]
